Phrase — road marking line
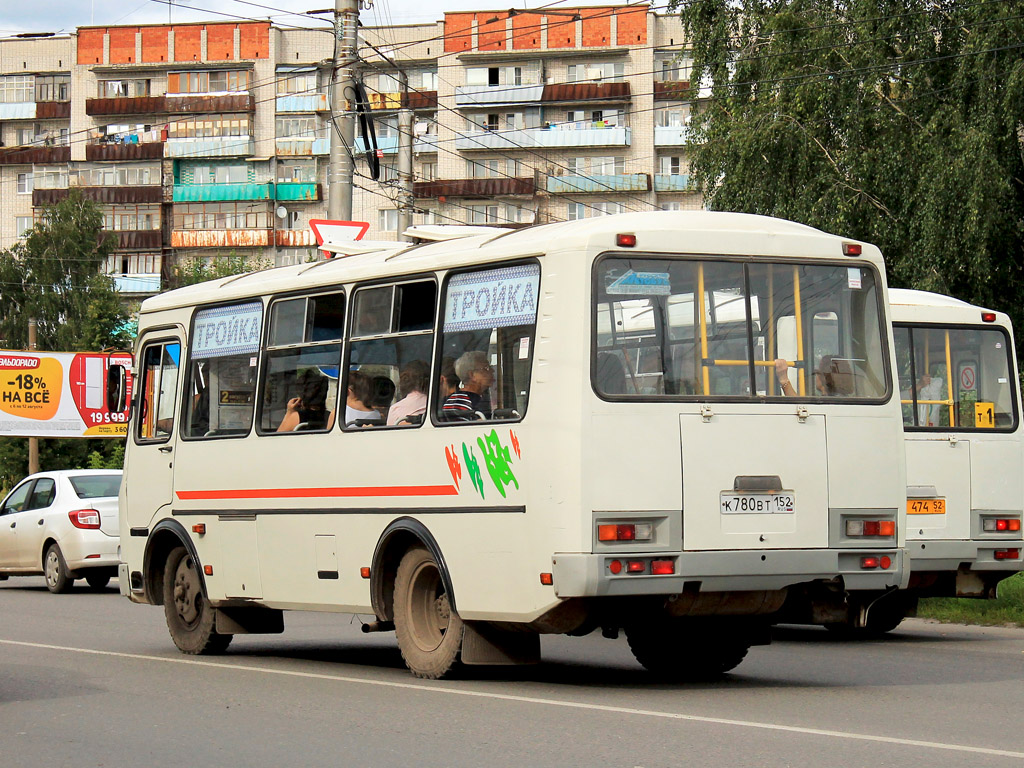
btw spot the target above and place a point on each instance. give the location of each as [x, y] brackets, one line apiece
[441, 688]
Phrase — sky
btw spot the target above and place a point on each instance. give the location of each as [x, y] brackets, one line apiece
[64, 15]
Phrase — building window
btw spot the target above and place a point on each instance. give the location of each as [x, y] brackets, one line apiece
[214, 126]
[15, 89]
[608, 209]
[670, 166]
[25, 183]
[209, 216]
[109, 176]
[131, 218]
[482, 214]
[296, 83]
[296, 171]
[53, 87]
[220, 174]
[428, 171]
[50, 177]
[208, 82]
[120, 89]
[23, 224]
[608, 166]
[671, 117]
[611, 72]
[575, 211]
[676, 69]
[387, 220]
[673, 205]
[425, 80]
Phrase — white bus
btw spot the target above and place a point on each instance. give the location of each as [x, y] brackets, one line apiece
[614, 448]
[961, 412]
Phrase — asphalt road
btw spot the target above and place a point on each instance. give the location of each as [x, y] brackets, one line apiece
[91, 680]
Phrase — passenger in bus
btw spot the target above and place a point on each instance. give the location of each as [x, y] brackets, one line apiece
[356, 402]
[309, 409]
[832, 377]
[475, 377]
[449, 379]
[412, 385]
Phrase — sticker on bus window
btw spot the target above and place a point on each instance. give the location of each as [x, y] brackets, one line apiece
[226, 331]
[494, 298]
[984, 415]
[524, 347]
[853, 277]
[641, 284]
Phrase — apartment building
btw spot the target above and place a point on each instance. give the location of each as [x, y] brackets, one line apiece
[206, 140]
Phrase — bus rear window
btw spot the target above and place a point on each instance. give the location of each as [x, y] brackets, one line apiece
[955, 377]
[689, 328]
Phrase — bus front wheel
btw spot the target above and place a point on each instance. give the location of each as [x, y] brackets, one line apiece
[429, 631]
[679, 651]
[188, 613]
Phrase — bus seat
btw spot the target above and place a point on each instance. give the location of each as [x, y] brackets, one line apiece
[611, 375]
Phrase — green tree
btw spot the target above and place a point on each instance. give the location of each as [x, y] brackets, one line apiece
[54, 275]
[200, 270]
[892, 121]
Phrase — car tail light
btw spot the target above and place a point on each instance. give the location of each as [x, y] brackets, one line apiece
[886, 528]
[85, 518]
[1007, 554]
[1000, 524]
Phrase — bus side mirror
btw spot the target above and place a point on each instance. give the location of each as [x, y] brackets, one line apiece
[117, 388]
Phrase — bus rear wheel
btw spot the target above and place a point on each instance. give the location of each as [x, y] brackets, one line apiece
[187, 611]
[686, 652]
[429, 631]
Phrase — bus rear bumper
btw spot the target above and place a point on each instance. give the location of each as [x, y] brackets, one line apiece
[590, 575]
[934, 555]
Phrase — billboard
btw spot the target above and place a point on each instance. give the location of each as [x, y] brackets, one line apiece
[59, 394]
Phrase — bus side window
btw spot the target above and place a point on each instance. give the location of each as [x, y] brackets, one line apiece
[223, 354]
[388, 371]
[158, 393]
[300, 383]
[489, 323]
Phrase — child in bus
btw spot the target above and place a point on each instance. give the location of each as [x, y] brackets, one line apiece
[475, 377]
[310, 407]
[412, 385]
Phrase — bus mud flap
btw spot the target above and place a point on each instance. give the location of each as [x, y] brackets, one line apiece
[483, 643]
[256, 620]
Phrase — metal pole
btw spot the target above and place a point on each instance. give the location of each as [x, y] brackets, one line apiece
[341, 176]
[33, 442]
[405, 194]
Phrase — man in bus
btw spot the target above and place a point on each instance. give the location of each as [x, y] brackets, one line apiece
[475, 377]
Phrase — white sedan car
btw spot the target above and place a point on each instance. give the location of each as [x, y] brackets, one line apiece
[63, 525]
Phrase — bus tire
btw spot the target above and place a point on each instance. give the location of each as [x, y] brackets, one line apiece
[188, 613]
[55, 569]
[682, 652]
[429, 631]
[97, 581]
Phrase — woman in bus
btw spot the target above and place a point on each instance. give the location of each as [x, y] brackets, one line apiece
[412, 385]
[356, 400]
[309, 408]
[475, 377]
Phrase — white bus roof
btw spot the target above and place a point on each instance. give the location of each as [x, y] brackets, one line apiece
[909, 306]
[657, 231]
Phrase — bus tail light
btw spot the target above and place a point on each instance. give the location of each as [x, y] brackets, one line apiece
[852, 249]
[1000, 524]
[208, 570]
[199, 528]
[869, 562]
[84, 518]
[625, 241]
[364, 572]
[615, 566]
[625, 532]
[988, 317]
[1006, 554]
[662, 567]
[636, 566]
[885, 528]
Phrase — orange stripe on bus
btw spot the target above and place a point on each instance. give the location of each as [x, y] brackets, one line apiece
[305, 493]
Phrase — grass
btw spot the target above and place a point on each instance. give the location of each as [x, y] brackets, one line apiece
[1007, 609]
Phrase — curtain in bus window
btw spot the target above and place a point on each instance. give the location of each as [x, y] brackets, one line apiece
[961, 378]
[487, 344]
[224, 350]
[303, 362]
[388, 373]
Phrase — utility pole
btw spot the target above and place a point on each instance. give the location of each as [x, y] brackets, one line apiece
[33, 442]
[341, 176]
[405, 194]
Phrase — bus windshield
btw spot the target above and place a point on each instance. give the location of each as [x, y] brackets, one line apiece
[955, 377]
[681, 327]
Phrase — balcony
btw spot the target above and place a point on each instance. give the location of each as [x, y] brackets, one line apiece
[672, 90]
[563, 135]
[138, 283]
[621, 182]
[670, 135]
[53, 110]
[473, 187]
[35, 155]
[672, 183]
[152, 193]
[294, 238]
[389, 145]
[147, 151]
[126, 105]
[303, 102]
[214, 193]
[192, 103]
[567, 92]
[487, 95]
[289, 147]
[19, 110]
[138, 240]
[420, 100]
[297, 191]
[219, 146]
[220, 238]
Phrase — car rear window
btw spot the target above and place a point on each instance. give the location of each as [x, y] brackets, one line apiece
[96, 486]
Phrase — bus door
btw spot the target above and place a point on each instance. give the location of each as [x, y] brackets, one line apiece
[153, 429]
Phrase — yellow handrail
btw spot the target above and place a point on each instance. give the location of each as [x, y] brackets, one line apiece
[799, 330]
[949, 383]
[703, 331]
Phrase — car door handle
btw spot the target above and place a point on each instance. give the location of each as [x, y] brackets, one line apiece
[165, 449]
[41, 521]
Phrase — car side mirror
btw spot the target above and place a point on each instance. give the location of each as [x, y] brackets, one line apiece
[117, 388]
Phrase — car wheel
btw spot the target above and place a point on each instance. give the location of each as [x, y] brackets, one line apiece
[56, 571]
[188, 613]
[97, 581]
